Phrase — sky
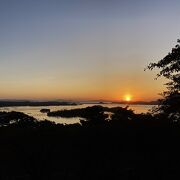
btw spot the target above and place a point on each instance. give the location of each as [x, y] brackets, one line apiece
[84, 49]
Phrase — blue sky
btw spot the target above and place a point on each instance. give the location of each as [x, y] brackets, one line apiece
[84, 49]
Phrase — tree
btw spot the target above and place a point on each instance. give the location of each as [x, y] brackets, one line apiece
[170, 69]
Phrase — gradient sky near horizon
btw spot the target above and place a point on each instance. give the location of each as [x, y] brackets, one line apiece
[84, 49]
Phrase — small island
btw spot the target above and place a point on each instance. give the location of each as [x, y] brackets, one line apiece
[45, 110]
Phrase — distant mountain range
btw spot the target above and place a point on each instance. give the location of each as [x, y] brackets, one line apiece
[120, 102]
[10, 103]
[139, 102]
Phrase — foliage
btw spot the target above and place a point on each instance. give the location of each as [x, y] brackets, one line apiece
[170, 69]
[129, 146]
[12, 118]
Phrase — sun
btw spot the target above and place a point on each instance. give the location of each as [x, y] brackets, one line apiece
[128, 98]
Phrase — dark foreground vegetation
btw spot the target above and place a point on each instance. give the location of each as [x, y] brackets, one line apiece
[129, 146]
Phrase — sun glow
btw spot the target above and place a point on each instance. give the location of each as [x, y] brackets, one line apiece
[127, 98]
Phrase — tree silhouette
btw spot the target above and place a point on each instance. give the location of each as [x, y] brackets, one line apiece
[170, 69]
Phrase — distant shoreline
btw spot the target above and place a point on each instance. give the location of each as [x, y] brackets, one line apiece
[58, 103]
[35, 103]
[138, 103]
[126, 103]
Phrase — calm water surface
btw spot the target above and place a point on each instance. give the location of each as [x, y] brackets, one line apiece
[35, 111]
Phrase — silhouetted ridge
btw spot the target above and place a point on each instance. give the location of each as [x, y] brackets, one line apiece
[35, 103]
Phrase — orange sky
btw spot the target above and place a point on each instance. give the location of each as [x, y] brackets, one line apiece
[84, 50]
